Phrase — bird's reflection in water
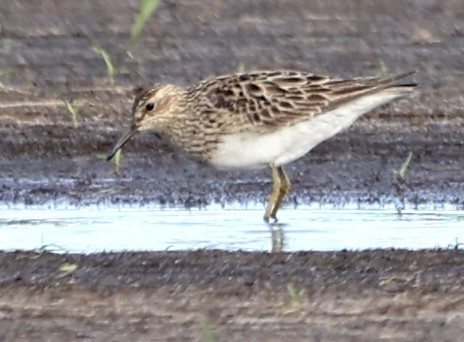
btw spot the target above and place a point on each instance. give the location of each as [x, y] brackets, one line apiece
[277, 237]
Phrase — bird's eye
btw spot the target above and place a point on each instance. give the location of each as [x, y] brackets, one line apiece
[149, 106]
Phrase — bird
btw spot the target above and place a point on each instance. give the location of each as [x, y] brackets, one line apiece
[259, 119]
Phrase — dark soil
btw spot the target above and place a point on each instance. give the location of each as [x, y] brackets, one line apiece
[46, 58]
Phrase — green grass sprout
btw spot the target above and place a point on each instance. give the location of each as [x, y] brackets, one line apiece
[208, 331]
[296, 297]
[110, 68]
[50, 248]
[147, 7]
[401, 172]
[5, 73]
[117, 162]
[382, 66]
[72, 110]
[241, 68]
[66, 269]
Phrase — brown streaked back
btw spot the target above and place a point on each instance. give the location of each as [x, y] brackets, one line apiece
[275, 98]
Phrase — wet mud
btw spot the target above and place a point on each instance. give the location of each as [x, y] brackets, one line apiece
[48, 157]
[387, 295]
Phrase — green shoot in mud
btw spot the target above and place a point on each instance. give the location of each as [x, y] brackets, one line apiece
[296, 296]
[66, 269]
[382, 66]
[1, 31]
[111, 70]
[51, 247]
[400, 174]
[117, 161]
[147, 7]
[208, 331]
[72, 110]
[241, 68]
[5, 73]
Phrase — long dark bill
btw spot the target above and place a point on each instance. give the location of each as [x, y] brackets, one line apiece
[129, 134]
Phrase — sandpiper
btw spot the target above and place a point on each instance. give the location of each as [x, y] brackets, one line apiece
[258, 119]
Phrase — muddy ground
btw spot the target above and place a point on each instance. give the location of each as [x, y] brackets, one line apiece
[220, 296]
[46, 58]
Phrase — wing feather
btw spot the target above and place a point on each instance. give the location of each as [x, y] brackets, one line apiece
[267, 99]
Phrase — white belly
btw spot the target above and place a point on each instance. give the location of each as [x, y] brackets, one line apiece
[253, 151]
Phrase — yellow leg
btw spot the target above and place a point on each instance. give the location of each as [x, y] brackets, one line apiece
[280, 187]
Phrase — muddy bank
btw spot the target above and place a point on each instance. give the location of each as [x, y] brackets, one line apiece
[389, 295]
[357, 166]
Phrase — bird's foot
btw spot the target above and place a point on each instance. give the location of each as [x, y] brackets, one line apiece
[270, 220]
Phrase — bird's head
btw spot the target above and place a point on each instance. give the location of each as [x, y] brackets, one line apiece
[153, 110]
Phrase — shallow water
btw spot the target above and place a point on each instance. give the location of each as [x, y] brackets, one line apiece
[96, 229]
